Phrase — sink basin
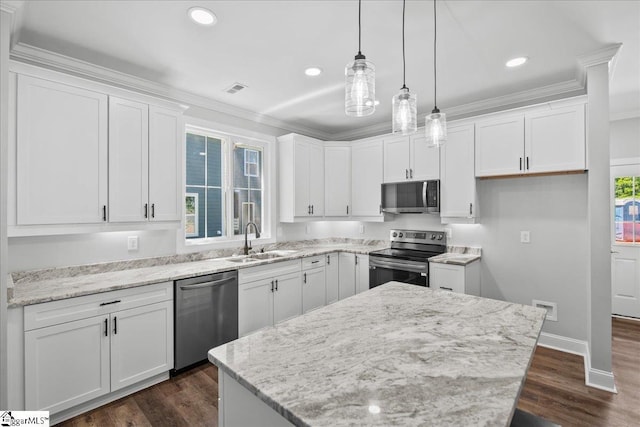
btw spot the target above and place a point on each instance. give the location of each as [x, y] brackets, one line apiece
[241, 260]
[282, 252]
[265, 255]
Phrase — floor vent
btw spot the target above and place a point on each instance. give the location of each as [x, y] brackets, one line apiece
[236, 87]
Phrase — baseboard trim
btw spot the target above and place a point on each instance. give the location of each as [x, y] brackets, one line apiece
[595, 378]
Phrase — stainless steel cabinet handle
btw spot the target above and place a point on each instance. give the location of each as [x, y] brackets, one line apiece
[146, 210]
[207, 284]
[115, 325]
[444, 287]
[104, 212]
[305, 278]
[110, 302]
[276, 284]
[153, 210]
[106, 328]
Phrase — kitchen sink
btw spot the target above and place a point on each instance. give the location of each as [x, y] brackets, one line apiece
[243, 259]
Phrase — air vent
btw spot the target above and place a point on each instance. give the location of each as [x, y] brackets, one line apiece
[236, 87]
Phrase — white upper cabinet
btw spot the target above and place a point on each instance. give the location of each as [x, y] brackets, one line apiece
[61, 153]
[408, 158]
[541, 139]
[458, 182]
[301, 177]
[366, 178]
[128, 160]
[166, 135]
[337, 181]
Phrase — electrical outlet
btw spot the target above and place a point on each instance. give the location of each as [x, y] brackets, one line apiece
[525, 237]
[132, 243]
[551, 307]
[361, 228]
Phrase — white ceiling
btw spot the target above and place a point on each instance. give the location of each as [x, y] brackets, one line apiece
[268, 44]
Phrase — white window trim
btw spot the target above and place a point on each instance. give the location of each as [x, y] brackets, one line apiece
[246, 162]
[243, 137]
[196, 196]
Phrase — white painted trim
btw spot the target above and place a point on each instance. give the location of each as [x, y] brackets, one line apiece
[595, 378]
[632, 114]
[625, 161]
[601, 56]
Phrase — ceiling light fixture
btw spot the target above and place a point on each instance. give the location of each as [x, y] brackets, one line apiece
[516, 62]
[202, 16]
[405, 116]
[313, 71]
[435, 124]
[360, 84]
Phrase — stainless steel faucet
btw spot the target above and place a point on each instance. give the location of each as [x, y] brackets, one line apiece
[246, 230]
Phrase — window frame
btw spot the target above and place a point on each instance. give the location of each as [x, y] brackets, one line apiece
[196, 196]
[232, 136]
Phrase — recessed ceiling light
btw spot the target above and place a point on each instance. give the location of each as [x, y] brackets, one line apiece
[516, 62]
[202, 16]
[313, 71]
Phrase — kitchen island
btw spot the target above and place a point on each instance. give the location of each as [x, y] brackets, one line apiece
[397, 354]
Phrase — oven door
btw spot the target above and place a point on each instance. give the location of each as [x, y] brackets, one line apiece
[383, 270]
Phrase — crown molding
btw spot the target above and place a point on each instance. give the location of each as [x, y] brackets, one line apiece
[44, 58]
[555, 91]
[606, 55]
[10, 6]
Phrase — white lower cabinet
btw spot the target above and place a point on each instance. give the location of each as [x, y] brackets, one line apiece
[268, 294]
[463, 279]
[332, 277]
[314, 294]
[353, 273]
[82, 348]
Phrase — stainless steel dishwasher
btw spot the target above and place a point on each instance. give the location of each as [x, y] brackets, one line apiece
[206, 315]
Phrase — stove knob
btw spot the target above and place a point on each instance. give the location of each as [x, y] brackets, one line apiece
[394, 234]
[400, 235]
[440, 237]
[433, 237]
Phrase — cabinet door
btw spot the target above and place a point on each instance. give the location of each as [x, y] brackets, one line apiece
[332, 277]
[425, 160]
[128, 160]
[500, 146]
[316, 180]
[446, 277]
[555, 140]
[396, 159]
[366, 178]
[255, 306]
[302, 153]
[347, 275]
[165, 158]
[66, 364]
[313, 289]
[287, 299]
[337, 181]
[362, 273]
[141, 343]
[61, 153]
[458, 182]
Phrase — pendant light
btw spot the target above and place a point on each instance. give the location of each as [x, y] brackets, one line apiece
[405, 116]
[435, 124]
[360, 76]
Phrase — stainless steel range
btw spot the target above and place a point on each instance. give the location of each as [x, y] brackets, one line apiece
[407, 259]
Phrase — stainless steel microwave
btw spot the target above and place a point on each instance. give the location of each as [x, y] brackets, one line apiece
[411, 197]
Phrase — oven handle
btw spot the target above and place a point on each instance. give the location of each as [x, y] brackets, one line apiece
[398, 265]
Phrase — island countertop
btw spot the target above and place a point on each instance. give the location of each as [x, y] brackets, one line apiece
[396, 354]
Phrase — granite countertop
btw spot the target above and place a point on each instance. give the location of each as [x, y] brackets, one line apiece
[422, 356]
[33, 287]
[458, 255]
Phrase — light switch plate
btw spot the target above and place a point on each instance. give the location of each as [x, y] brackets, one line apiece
[525, 237]
[132, 243]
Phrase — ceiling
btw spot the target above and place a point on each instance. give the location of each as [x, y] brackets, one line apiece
[268, 44]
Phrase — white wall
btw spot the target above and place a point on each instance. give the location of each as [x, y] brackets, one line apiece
[625, 138]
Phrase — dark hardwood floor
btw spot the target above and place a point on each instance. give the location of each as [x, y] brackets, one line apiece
[554, 390]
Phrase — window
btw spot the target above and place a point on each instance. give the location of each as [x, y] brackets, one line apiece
[224, 185]
[627, 209]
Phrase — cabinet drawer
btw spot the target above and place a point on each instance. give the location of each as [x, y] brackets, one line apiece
[67, 310]
[447, 277]
[268, 271]
[313, 262]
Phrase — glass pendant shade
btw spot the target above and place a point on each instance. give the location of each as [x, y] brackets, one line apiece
[435, 126]
[405, 112]
[360, 87]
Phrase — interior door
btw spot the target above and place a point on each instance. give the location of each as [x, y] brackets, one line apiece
[625, 248]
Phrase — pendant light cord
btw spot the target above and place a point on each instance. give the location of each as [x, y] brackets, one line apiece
[435, 72]
[404, 65]
[359, 27]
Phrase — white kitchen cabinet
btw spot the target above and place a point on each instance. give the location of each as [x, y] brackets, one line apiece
[332, 276]
[337, 181]
[366, 178]
[128, 160]
[268, 294]
[85, 347]
[458, 182]
[61, 154]
[464, 279]
[409, 158]
[301, 177]
[353, 274]
[313, 283]
[362, 273]
[540, 139]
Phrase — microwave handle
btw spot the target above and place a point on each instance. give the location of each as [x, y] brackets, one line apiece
[424, 194]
